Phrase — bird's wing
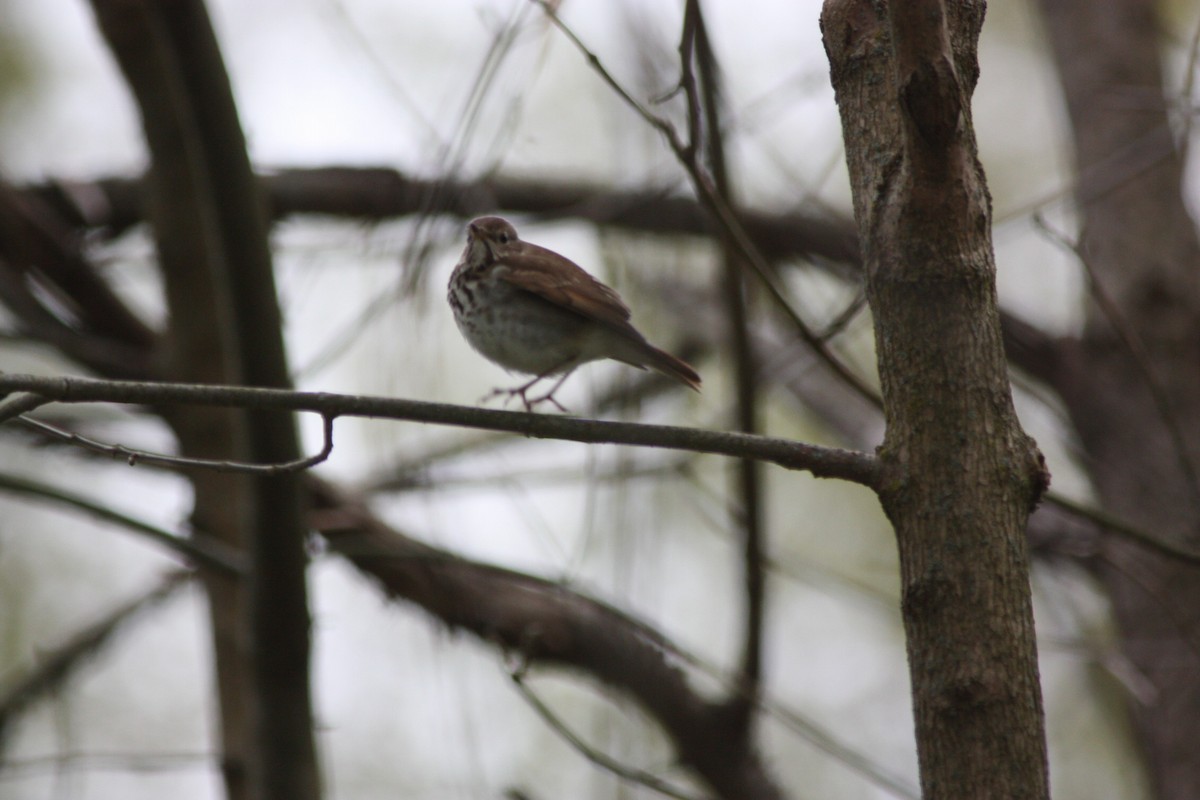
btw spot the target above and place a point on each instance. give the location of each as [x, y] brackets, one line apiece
[564, 283]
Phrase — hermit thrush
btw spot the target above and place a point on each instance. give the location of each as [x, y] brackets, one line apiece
[531, 310]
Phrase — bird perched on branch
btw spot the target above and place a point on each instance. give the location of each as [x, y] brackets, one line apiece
[530, 310]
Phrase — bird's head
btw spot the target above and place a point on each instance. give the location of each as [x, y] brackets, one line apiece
[492, 236]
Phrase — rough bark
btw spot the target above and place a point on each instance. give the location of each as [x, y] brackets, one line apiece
[1131, 382]
[960, 476]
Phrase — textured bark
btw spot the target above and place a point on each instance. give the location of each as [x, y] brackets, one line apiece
[960, 477]
[1131, 383]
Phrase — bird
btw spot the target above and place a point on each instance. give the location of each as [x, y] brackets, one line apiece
[530, 310]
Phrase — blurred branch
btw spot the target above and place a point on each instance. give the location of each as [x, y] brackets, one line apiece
[1138, 352]
[1109, 522]
[609, 764]
[57, 665]
[382, 193]
[705, 127]
[725, 217]
[212, 234]
[545, 623]
[37, 244]
[823, 462]
[207, 553]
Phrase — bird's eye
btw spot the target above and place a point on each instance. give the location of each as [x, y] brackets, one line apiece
[503, 237]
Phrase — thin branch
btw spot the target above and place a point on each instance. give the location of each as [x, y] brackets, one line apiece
[1140, 354]
[692, 20]
[207, 553]
[720, 210]
[92, 761]
[56, 665]
[822, 462]
[41, 245]
[1178, 618]
[696, 54]
[1186, 93]
[135, 457]
[852, 759]
[19, 403]
[1117, 525]
[602, 760]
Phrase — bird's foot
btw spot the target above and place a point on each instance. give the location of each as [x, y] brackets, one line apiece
[522, 392]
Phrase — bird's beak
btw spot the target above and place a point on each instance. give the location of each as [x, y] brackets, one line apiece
[478, 244]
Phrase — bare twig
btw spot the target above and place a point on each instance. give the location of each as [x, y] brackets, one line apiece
[134, 457]
[1140, 354]
[1114, 524]
[208, 553]
[704, 120]
[58, 664]
[19, 403]
[720, 211]
[602, 760]
[824, 462]
[1186, 93]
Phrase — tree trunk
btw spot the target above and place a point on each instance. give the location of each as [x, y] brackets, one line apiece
[1131, 383]
[960, 476]
[210, 226]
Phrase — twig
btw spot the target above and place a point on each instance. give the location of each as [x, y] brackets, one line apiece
[622, 771]
[1141, 357]
[209, 554]
[1117, 525]
[19, 403]
[720, 210]
[134, 457]
[705, 103]
[60, 663]
[1186, 92]
[822, 462]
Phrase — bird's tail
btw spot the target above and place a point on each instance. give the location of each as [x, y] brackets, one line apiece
[669, 365]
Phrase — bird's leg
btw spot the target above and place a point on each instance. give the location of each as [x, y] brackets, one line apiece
[549, 396]
[520, 391]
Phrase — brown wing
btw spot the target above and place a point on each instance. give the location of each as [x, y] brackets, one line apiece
[564, 283]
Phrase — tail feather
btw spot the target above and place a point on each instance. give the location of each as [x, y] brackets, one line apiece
[672, 367]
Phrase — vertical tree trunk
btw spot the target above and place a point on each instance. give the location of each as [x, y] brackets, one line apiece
[960, 475]
[197, 348]
[211, 231]
[1131, 384]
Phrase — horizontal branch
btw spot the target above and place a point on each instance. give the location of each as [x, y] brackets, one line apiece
[822, 462]
[383, 193]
